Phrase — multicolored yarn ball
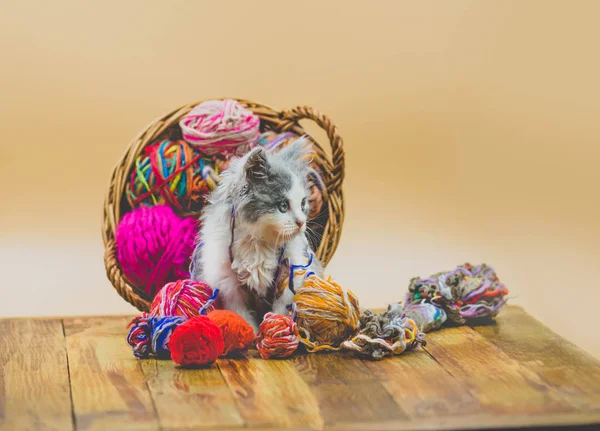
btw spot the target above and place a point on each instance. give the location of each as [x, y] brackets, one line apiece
[220, 127]
[185, 298]
[154, 247]
[196, 342]
[465, 293]
[150, 335]
[327, 314]
[238, 335]
[277, 336]
[385, 334]
[173, 173]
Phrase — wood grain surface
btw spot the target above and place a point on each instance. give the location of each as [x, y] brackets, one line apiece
[79, 373]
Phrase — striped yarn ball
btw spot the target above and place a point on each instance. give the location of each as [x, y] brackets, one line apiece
[150, 335]
[277, 336]
[173, 173]
[220, 127]
[184, 298]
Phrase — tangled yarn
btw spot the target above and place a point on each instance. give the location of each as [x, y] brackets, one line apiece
[427, 316]
[465, 293]
[238, 335]
[385, 334]
[185, 298]
[173, 173]
[150, 335]
[277, 336]
[196, 342]
[327, 314]
[154, 247]
[220, 126]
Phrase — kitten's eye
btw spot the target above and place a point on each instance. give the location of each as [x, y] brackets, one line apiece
[283, 206]
[304, 202]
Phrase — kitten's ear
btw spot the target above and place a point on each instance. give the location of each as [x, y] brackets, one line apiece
[299, 150]
[256, 165]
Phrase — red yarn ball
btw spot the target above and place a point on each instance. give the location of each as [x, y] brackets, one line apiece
[277, 336]
[154, 246]
[197, 342]
[183, 298]
[238, 335]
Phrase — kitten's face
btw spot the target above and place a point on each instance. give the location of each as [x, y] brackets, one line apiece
[275, 204]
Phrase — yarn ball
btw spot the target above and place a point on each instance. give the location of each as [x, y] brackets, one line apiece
[173, 173]
[327, 314]
[277, 336]
[154, 247]
[185, 298]
[386, 334]
[197, 342]
[466, 293]
[238, 335]
[220, 126]
[150, 335]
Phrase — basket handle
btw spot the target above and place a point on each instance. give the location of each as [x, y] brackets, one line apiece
[338, 158]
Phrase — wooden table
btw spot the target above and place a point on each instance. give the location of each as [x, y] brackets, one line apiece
[79, 373]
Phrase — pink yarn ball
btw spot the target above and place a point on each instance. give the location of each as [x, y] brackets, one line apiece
[220, 127]
[154, 247]
[183, 298]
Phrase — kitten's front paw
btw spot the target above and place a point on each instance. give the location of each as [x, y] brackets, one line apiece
[281, 304]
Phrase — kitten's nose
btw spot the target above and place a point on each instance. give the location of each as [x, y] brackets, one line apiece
[300, 223]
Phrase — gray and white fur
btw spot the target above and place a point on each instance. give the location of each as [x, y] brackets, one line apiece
[269, 194]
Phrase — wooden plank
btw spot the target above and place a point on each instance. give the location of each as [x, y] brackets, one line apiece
[422, 387]
[330, 368]
[271, 393]
[556, 422]
[345, 389]
[34, 376]
[500, 384]
[108, 386]
[562, 366]
[190, 399]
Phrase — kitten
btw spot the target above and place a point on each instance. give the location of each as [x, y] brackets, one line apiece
[253, 227]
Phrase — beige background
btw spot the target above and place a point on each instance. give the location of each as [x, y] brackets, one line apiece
[471, 131]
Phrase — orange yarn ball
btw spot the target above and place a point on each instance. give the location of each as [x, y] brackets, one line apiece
[237, 333]
[327, 314]
[277, 336]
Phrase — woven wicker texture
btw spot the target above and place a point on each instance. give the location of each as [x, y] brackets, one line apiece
[332, 171]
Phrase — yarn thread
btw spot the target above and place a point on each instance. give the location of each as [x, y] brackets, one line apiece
[173, 173]
[427, 316]
[386, 334]
[466, 293]
[277, 336]
[220, 127]
[154, 247]
[184, 298]
[327, 314]
[150, 335]
[238, 335]
[197, 342]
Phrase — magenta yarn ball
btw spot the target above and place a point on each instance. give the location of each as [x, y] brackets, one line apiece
[154, 247]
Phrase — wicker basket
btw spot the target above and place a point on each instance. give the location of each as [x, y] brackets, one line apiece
[332, 171]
